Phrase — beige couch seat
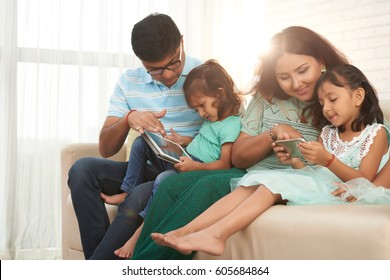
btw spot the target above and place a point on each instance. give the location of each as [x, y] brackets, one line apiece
[316, 232]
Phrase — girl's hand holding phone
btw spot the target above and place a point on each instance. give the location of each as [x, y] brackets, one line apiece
[315, 153]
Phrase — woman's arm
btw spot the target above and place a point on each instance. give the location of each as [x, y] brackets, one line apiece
[249, 150]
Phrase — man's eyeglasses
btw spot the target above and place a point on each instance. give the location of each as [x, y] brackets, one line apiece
[171, 66]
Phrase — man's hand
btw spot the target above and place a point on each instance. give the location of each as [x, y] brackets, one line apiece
[141, 121]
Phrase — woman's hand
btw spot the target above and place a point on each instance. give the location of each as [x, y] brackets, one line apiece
[284, 131]
[285, 158]
[250, 149]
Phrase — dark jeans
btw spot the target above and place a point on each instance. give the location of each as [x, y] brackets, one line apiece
[141, 154]
[161, 177]
[88, 177]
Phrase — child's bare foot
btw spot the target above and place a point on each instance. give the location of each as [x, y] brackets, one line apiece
[126, 251]
[113, 199]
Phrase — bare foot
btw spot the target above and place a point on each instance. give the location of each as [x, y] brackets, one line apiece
[168, 240]
[198, 241]
[159, 238]
[113, 199]
[203, 241]
[126, 251]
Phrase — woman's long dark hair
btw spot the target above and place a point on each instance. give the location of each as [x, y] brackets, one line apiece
[351, 78]
[293, 40]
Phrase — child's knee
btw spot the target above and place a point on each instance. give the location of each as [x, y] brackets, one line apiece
[163, 175]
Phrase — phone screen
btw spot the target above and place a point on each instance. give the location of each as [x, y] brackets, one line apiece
[291, 146]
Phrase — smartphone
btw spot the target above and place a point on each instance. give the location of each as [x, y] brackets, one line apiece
[291, 146]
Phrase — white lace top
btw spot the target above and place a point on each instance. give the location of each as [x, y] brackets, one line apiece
[351, 153]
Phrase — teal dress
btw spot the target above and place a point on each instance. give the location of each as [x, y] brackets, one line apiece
[183, 196]
[314, 184]
[206, 146]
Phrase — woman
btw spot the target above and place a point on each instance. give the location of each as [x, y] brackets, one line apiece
[288, 74]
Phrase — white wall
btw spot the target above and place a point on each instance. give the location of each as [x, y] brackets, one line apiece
[359, 28]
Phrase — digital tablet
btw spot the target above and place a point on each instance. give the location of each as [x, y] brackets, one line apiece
[291, 146]
[164, 148]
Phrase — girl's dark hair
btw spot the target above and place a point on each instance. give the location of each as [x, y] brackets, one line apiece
[293, 40]
[155, 37]
[350, 77]
[207, 78]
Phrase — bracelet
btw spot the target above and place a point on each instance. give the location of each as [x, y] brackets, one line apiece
[272, 134]
[127, 117]
[330, 161]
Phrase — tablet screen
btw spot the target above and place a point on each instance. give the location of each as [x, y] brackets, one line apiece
[164, 148]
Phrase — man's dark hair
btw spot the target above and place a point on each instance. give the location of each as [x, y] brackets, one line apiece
[155, 37]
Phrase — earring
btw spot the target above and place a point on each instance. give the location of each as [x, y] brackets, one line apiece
[323, 69]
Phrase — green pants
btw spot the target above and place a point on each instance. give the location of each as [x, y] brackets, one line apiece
[179, 199]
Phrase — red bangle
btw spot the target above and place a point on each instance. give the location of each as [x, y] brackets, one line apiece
[127, 117]
[330, 161]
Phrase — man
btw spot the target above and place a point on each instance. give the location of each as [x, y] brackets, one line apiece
[142, 97]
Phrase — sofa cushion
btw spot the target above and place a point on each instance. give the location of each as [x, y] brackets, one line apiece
[316, 232]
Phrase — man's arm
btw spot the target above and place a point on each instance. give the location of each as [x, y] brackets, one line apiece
[114, 132]
[113, 135]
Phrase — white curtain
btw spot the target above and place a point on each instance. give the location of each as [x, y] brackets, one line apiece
[59, 61]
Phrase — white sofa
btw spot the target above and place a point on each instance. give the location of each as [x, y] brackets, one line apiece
[316, 232]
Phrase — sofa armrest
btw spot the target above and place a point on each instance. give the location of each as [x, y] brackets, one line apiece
[69, 155]
[72, 152]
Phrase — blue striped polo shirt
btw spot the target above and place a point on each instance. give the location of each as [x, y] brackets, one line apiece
[137, 90]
